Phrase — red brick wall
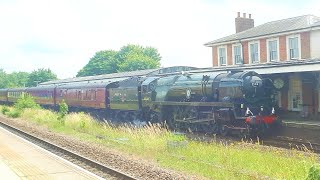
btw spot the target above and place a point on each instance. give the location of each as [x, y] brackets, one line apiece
[214, 56]
[229, 54]
[263, 51]
[283, 48]
[305, 45]
[245, 52]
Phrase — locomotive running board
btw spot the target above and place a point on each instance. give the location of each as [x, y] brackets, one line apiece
[197, 121]
[212, 104]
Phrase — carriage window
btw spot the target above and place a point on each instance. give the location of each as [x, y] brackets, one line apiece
[87, 96]
[79, 95]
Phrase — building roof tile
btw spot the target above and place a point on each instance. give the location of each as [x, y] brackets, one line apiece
[273, 27]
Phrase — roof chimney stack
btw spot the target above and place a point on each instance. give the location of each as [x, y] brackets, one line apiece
[243, 23]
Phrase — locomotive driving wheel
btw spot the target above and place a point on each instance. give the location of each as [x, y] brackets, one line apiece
[191, 112]
[206, 127]
[224, 130]
[178, 114]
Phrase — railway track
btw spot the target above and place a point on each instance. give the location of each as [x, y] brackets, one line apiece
[90, 165]
[289, 142]
[274, 141]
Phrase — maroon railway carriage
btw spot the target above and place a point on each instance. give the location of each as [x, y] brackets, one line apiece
[43, 95]
[3, 95]
[85, 95]
[15, 94]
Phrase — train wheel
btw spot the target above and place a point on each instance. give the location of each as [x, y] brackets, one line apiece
[129, 117]
[215, 127]
[167, 116]
[224, 130]
[120, 116]
[178, 114]
[154, 118]
[207, 128]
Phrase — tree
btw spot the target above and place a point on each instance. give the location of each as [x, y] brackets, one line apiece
[13, 80]
[103, 62]
[3, 79]
[135, 62]
[17, 79]
[39, 76]
[129, 58]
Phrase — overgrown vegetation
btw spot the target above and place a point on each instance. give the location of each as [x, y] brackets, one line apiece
[4, 109]
[63, 111]
[175, 151]
[26, 101]
[314, 172]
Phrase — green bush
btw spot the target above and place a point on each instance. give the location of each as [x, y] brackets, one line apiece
[314, 173]
[26, 101]
[15, 113]
[63, 111]
[5, 109]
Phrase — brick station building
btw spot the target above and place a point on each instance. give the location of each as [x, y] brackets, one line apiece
[287, 51]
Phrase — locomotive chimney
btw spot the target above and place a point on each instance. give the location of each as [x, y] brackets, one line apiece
[243, 23]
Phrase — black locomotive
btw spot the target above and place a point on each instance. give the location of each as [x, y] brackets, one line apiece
[213, 102]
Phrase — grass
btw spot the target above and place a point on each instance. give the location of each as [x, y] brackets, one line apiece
[211, 160]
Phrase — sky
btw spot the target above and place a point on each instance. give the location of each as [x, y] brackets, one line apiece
[64, 34]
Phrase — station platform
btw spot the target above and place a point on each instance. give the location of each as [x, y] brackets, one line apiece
[20, 159]
[305, 124]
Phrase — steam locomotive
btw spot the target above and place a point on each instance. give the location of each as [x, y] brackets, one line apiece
[212, 102]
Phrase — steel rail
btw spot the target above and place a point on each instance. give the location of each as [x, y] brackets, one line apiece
[96, 167]
[287, 142]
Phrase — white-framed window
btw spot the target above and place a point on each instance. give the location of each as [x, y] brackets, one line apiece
[254, 52]
[293, 47]
[237, 54]
[222, 55]
[273, 49]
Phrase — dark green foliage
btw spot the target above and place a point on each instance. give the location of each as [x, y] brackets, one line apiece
[13, 80]
[63, 111]
[25, 101]
[4, 109]
[39, 76]
[129, 58]
[17, 79]
[22, 79]
[103, 62]
[314, 173]
[15, 113]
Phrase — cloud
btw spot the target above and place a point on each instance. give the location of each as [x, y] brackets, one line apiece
[64, 35]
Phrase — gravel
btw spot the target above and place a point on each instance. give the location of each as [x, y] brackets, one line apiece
[135, 166]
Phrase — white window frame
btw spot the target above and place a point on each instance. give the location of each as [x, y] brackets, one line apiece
[278, 53]
[299, 46]
[249, 48]
[241, 55]
[225, 47]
